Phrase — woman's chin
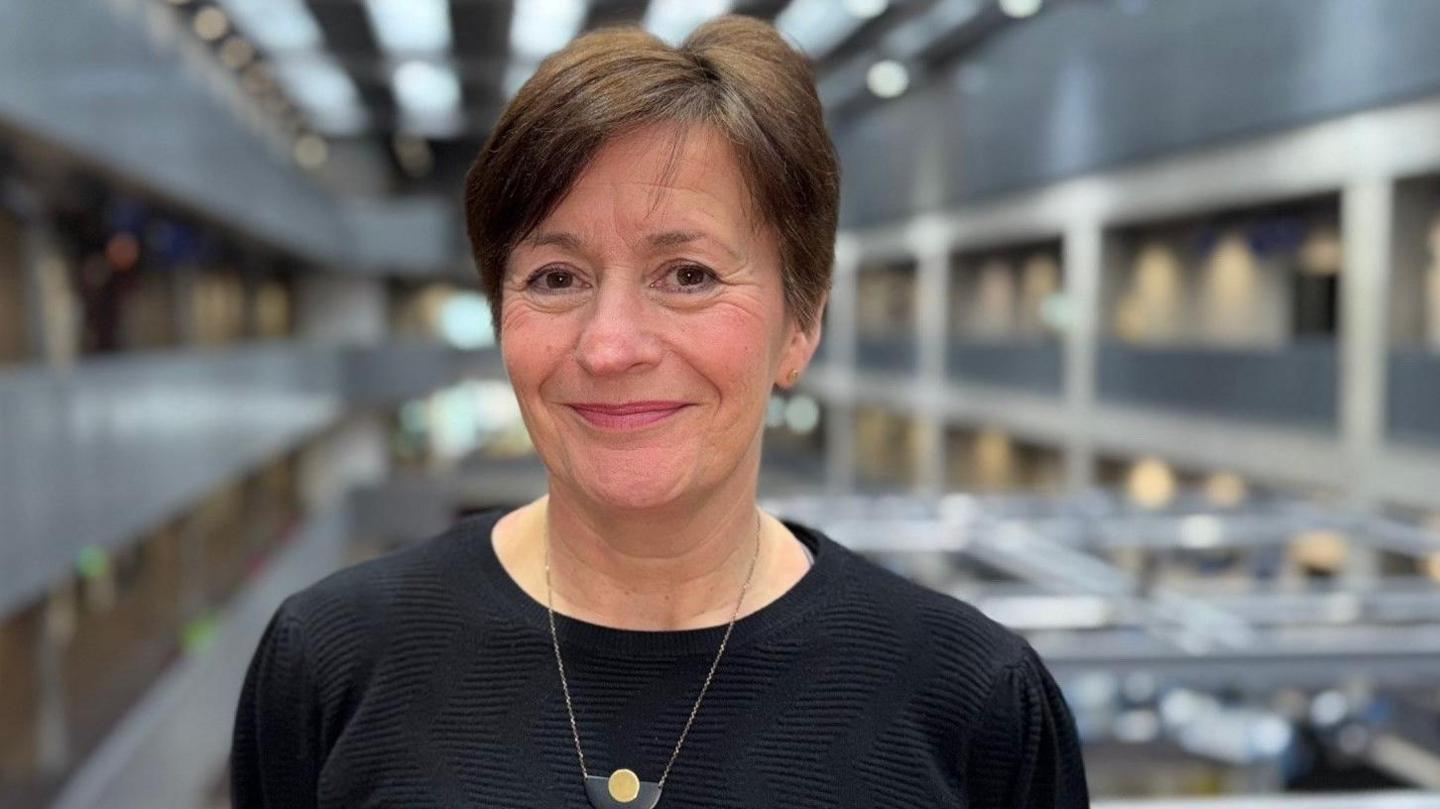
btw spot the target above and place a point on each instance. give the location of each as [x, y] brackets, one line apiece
[632, 498]
[641, 489]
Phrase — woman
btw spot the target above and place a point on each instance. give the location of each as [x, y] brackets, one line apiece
[654, 228]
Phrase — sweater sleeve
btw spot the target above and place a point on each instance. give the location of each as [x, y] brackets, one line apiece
[274, 754]
[1025, 754]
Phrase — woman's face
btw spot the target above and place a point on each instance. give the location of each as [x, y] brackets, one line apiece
[649, 286]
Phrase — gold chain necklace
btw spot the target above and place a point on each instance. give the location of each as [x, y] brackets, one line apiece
[624, 788]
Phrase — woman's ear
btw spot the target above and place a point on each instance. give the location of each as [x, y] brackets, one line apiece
[800, 346]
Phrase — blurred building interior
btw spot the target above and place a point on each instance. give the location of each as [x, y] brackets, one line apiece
[1134, 342]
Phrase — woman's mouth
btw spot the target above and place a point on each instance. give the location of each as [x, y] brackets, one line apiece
[628, 416]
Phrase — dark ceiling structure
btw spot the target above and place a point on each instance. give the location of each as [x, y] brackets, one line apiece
[424, 80]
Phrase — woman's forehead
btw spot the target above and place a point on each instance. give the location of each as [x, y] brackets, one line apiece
[656, 184]
[661, 161]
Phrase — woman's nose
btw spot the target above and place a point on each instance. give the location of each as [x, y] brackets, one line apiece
[618, 335]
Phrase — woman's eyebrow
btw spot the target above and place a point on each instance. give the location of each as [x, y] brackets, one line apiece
[670, 238]
[673, 238]
[568, 241]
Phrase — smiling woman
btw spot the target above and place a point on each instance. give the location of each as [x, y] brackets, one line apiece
[734, 77]
[645, 325]
[654, 228]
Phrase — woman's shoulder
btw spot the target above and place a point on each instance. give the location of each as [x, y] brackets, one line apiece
[350, 613]
[427, 562]
[961, 644]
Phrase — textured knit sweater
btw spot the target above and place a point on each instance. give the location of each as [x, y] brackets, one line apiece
[427, 678]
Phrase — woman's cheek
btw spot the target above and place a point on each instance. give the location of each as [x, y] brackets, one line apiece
[529, 335]
[514, 314]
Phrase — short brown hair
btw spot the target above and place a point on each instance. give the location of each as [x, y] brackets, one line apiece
[733, 73]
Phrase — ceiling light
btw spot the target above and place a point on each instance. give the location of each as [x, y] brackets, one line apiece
[1020, 9]
[1151, 483]
[907, 40]
[1225, 489]
[410, 26]
[426, 86]
[211, 24]
[538, 28]
[311, 151]
[236, 53]
[429, 96]
[1431, 564]
[887, 78]
[277, 25]
[817, 26]
[1322, 253]
[866, 9]
[1320, 550]
[673, 20]
[414, 155]
[318, 84]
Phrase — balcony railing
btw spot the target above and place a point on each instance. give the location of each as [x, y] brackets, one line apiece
[1036, 367]
[1292, 385]
[886, 353]
[1413, 401]
[97, 454]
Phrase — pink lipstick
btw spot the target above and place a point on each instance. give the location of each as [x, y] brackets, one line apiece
[629, 415]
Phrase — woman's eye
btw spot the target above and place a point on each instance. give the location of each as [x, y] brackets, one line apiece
[692, 277]
[552, 280]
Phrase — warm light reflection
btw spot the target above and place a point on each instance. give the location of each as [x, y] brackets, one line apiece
[1151, 483]
[1320, 551]
[1225, 490]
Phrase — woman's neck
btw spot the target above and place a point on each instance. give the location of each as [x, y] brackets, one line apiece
[681, 569]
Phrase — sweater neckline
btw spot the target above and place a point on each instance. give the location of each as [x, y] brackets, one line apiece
[799, 600]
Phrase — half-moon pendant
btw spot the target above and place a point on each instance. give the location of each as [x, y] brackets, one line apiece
[622, 790]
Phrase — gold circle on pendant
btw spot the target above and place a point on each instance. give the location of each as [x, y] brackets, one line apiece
[624, 785]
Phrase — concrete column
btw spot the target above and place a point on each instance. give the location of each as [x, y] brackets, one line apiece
[1410, 259]
[187, 328]
[1367, 208]
[38, 342]
[1083, 258]
[353, 453]
[34, 239]
[343, 310]
[931, 247]
[840, 336]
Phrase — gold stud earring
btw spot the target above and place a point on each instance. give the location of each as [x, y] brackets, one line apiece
[794, 375]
